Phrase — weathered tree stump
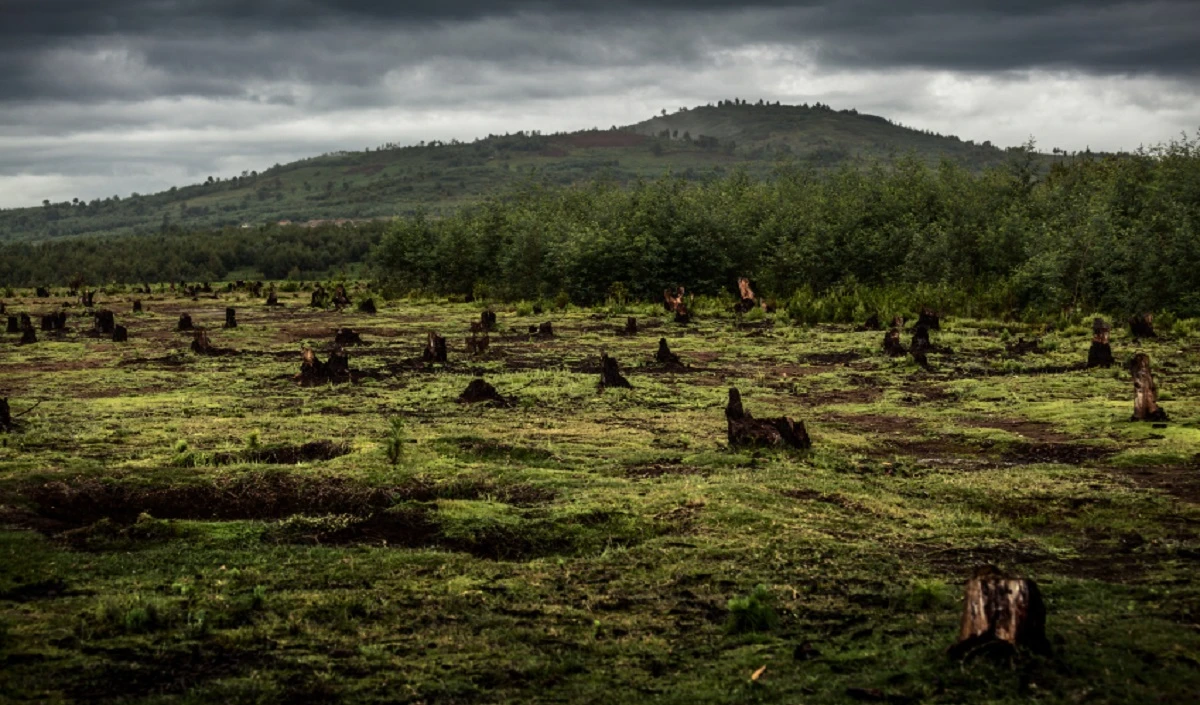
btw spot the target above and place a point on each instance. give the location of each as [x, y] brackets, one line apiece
[367, 306]
[929, 319]
[892, 345]
[340, 299]
[200, 343]
[920, 339]
[319, 298]
[676, 304]
[313, 371]
[256, 289]
[1145, 393]
[120, 334]
[487, 320]
[43, 292]
[1100, 354]
[546, 330]
[610, 373]
[478, 344]
[206, 288]
[230, 317]
[28, 334]
[346, 337]
[25, 322]
[747, 298]
[88, 299]
[14, 325]
[872, 322]
[3, 308]
[6, 421]
[631, 327]
[1023, 347]
[1001, 613]
[104, 322]
[273, 299]
[435, 349]
[185, 322]
[1142, 325]
[746, 431]
[137, 306]
[338, 365]
[47, 322]
[664, 356]
[479, 391]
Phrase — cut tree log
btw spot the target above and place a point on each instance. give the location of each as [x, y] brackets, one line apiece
[746, 431]
[230, 317]
[892, 345]
[200, 343]
[610, 373]
[185, 322]
[664, 356]
[346, 337]
[929, 318]
[120, 334]
[1100, 354]
[1142, 325]
[105, 322]
[479, 391]
[435, 349]
[1000, 614]
[1145, 393]
[367, 306]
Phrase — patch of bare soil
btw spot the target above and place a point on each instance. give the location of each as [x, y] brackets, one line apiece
[1035, 431]
[1181, 481]
[833, 358]
[856, 395]
[825, 498]
[1062, 453]
[878, 423]
[138, 673]
[663, 468]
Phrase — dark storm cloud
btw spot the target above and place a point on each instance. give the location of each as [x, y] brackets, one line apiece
[81, 50]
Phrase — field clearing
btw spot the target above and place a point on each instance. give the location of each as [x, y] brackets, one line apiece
[180, 528]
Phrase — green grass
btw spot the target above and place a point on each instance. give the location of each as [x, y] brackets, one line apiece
[582, 546]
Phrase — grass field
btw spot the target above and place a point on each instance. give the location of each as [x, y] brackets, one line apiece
[183, 528]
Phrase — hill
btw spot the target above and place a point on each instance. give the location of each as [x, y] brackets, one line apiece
[440, 177]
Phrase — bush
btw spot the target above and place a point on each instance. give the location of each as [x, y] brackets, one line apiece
[752, 613]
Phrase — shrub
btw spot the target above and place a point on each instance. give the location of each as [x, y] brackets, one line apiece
[752, 613]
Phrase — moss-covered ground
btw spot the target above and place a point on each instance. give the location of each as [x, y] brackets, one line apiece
[582, 545]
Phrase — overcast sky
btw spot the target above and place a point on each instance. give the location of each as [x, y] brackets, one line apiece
[101, 98]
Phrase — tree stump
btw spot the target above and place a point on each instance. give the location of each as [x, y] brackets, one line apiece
[747, 297]
[319, 297]
[610, 373]
[43, 292]
[201, 344]
[6, 422]
[1142, 325]
[435, 349]
[478, 345]
[1100, 354]
[88, 299]
[479, 391]
[929, 318]
[1022, 347]
[3, 308]
[676, 304]
[338, 365]
[185, 322]
[206, 288]
[1145, 393]
[28, 335]
[546, 330]
[746, 431]
[897, 322]
[272, 299]
[1001, 611]
[340, 299]
[25, 322]
[872, 322]
[105, 322]
[120, 334]
[230, 317]
[367, 306]
[256, 289]
[137, 306]
[920, 338]
[891, 343]
[14, 325]
[346, 337]
[487, 320]
[47, 322]
[631, 327]
[664, 356]
[313, 371]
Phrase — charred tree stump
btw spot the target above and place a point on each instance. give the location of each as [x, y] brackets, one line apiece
[6, 422]
[346, 337]
[47, 322]
[14, 325]
[920, 339]
[256, 289]
[435, 349]
[3, 308]
[313, 371]
[872, 322]
[272, 299]
[747, 297]
[610, 373]
[201, 344]
[319, 298]
[892, 345]
[25, 322]
[478, 345]
[664, 356]
[43, 292]
[1100, 354]
[230, 317]
[88, 299]
[28, 334]
[185, 322]
[487, 319]
[137, 306]
[340, 299]
[631, 327]
[479, 391]
[546, 330]
[1001, 613]
[929, 319]
[105, 322]
[120, 334]
[338, 365]
[746, 431]
[1142, 325]
[367, 306]
[1145, 393]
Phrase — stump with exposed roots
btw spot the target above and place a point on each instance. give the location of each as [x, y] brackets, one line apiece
[345, 337]
[185, 322]
[746, 431]
[230, 317]
[1145, 392]
[610, 374]
[664, 356]
[435, 349]
[1100, 354]
[481, 392]
[1142, 325]
[120, 334]
[1000, 614]
[201, 344]
[892, 345]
